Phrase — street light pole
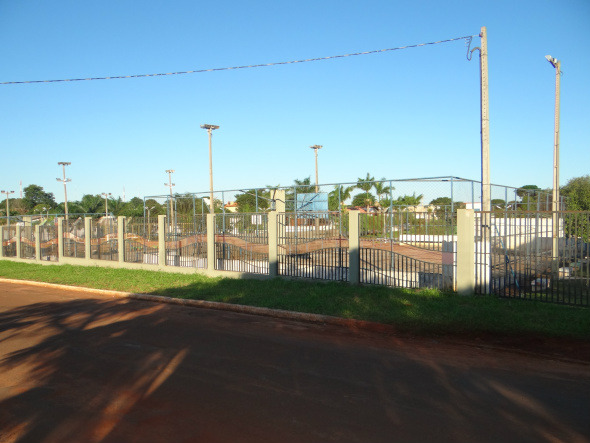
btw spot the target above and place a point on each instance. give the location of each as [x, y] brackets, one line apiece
[210, 129]
[64, 180]
[7, 193]
[170, 185]
[315, 148]
[555, 204]
[106, 204]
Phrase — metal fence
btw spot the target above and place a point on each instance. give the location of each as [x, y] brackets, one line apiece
[49, 243]
[9, 241]
[409, 249]
[27, 242]
[186, 241]
[141, 240]
[74, 237]
[313, 245]
[517, 257]
[241, 243]
[103, 239]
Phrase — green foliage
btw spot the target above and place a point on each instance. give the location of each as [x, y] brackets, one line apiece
[528, 190]
[304, 186]
[35, 195]
[363, 199]
[339, 194]
[577, 191]
[409, 200]
[442, 201]
[247, 200]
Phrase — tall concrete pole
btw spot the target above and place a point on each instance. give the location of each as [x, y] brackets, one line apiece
[486, 199]
[7, 207]
[316, 148]
[555, 204]
[210, 129]
[64, 180]
[170, 185]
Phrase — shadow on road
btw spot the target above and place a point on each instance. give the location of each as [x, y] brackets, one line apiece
[102, 370]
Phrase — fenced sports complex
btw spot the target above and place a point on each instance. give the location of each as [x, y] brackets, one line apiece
[512, 251]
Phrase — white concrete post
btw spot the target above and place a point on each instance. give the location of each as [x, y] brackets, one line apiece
[37, 242]
[18, 241]
[273, 253]
[354, 251]
[121, 238]
[87, 238]
[60, 238]
[211, 242]
[161, 240]
[465, 252]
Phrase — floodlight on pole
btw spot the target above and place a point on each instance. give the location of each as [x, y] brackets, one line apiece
[65, 180]
[210, 129]
[106, 204]
[170, 185]
[555, 204]
[316, 148]
[7, 193]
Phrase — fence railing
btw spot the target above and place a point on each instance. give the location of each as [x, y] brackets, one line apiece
[531, 255]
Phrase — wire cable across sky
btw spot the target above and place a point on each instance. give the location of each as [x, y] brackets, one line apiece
[468, 38]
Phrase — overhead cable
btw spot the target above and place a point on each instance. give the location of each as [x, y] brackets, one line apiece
[197, 71]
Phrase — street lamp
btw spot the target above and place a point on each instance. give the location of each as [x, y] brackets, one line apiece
[170, 185]
[7, 193]
[555, 205]
[210, 129]
[106, 204]
[315, 148]
[64, 180]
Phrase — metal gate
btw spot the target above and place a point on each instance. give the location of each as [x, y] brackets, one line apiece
[520, 254]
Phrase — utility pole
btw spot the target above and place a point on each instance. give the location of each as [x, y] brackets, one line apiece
[64, 180]
[316, 148]
[7, 193]
[555, 204]
[210, 129]
[170, 185]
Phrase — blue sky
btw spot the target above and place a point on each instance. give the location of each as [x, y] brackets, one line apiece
[400, 114]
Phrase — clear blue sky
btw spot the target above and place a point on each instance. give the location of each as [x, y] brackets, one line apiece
[400, 114]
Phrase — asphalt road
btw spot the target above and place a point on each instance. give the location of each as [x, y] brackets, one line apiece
[82, 367]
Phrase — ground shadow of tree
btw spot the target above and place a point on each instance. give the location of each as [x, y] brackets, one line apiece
[97, 370]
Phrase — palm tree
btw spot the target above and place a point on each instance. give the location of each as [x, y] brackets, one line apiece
[338, 196]
[365, 184]
[304, 186]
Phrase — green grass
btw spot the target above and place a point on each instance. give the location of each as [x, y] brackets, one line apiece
[412, 311]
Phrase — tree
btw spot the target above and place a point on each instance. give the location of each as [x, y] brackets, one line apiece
[89, 204]
[35, 195]
[528, 190]
[442, 201]
[363, 199]
[381, 189]
[577, 191]
[366, 184]
[339, 195]
[304, 186]
[247, 200]
[409, 200]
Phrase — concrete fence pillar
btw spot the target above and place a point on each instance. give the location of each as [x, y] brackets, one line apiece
[279, 197]
[1, 241]
[37, 242]
[210, 242]
[465, 252]
[87, 238]
[161, 240]
[354, 250]
[121, 238]
[60, 238]
[18, 233]
[273, 245]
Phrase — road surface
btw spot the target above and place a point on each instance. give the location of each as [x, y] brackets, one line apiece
[84, 367]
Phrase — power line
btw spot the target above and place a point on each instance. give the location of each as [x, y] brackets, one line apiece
[467, 38]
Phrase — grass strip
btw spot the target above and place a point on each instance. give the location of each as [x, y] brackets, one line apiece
[413, 311]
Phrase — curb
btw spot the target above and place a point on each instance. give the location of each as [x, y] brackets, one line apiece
[242, 309]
